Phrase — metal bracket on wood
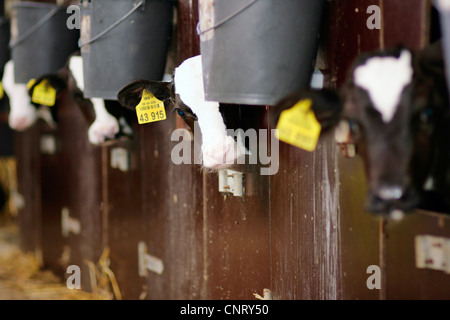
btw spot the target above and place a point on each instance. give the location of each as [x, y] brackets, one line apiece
[120, 159]
[48, 144]
[231, 182]
[69, 224]
[148, 262]
[432, 253]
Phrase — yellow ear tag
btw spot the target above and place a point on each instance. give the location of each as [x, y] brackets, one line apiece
[150, 109]
[2, 92]
[298, 126]
[44, 94]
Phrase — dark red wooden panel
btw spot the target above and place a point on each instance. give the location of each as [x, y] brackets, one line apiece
[125, 222]
[403, 279]
[26, 148]
[345, 35]
[405, 24]
[172, 208]
[81, 166]
[238, 237]
[55, 189]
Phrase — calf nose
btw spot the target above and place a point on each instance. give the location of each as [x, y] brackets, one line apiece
[218, 156]
[20, 123]
[390, 193]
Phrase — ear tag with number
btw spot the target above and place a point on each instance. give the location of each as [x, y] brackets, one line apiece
[298, 126]
[2, 92]
[44, 94]
[150, 109]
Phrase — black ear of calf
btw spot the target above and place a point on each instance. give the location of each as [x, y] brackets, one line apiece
[326, 105]
[54, 80]
[130, 95]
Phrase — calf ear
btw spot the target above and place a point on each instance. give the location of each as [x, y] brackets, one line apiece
[130, 95]
[57, 82]
[326, 105]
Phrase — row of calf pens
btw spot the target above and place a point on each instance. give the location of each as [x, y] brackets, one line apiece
[132, 220]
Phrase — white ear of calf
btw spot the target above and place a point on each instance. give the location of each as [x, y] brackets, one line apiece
[105, 125]
[384, 78]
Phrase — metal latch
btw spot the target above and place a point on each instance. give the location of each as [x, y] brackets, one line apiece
[231, 181]
[148, 262]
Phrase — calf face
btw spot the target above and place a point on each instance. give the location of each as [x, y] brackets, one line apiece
[185, 94]
[396, 104]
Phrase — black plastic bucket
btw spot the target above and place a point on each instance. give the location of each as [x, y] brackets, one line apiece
[257, 51]
[123, 41]
[444, 15]
[4, 42]
[41, 40]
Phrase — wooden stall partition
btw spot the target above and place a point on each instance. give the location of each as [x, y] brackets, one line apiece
[173, 217]
[26, 148]
[124, 222]
[54, 193]
[80, 165]
[172, 202]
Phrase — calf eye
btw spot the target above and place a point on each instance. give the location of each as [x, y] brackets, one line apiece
[426, 114]
[181, 113]
[354, 129]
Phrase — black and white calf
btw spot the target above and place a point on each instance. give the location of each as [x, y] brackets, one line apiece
[396, 109]
[186, 95]
[107, 125]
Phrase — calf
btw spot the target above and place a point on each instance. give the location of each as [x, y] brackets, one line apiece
[108, 124]
[396, 107]
[186, 95]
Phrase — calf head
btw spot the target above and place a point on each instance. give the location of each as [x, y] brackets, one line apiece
[110, 121]
[396, 107]
[185, 95]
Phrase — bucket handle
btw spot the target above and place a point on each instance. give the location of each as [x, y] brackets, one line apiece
[33, 29]
[115, 24]
[231, 16]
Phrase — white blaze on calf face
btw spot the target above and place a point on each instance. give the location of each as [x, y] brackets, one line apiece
[105, 125]
[23, 114]
[444, 4]
[218, 148]
[384, 78]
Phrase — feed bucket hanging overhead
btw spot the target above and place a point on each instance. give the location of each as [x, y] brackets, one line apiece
[41, 41]
[257, 51]
[443, 7]
[4, 42]
[123, 41]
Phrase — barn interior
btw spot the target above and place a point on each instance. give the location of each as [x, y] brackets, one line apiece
[120, 219]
